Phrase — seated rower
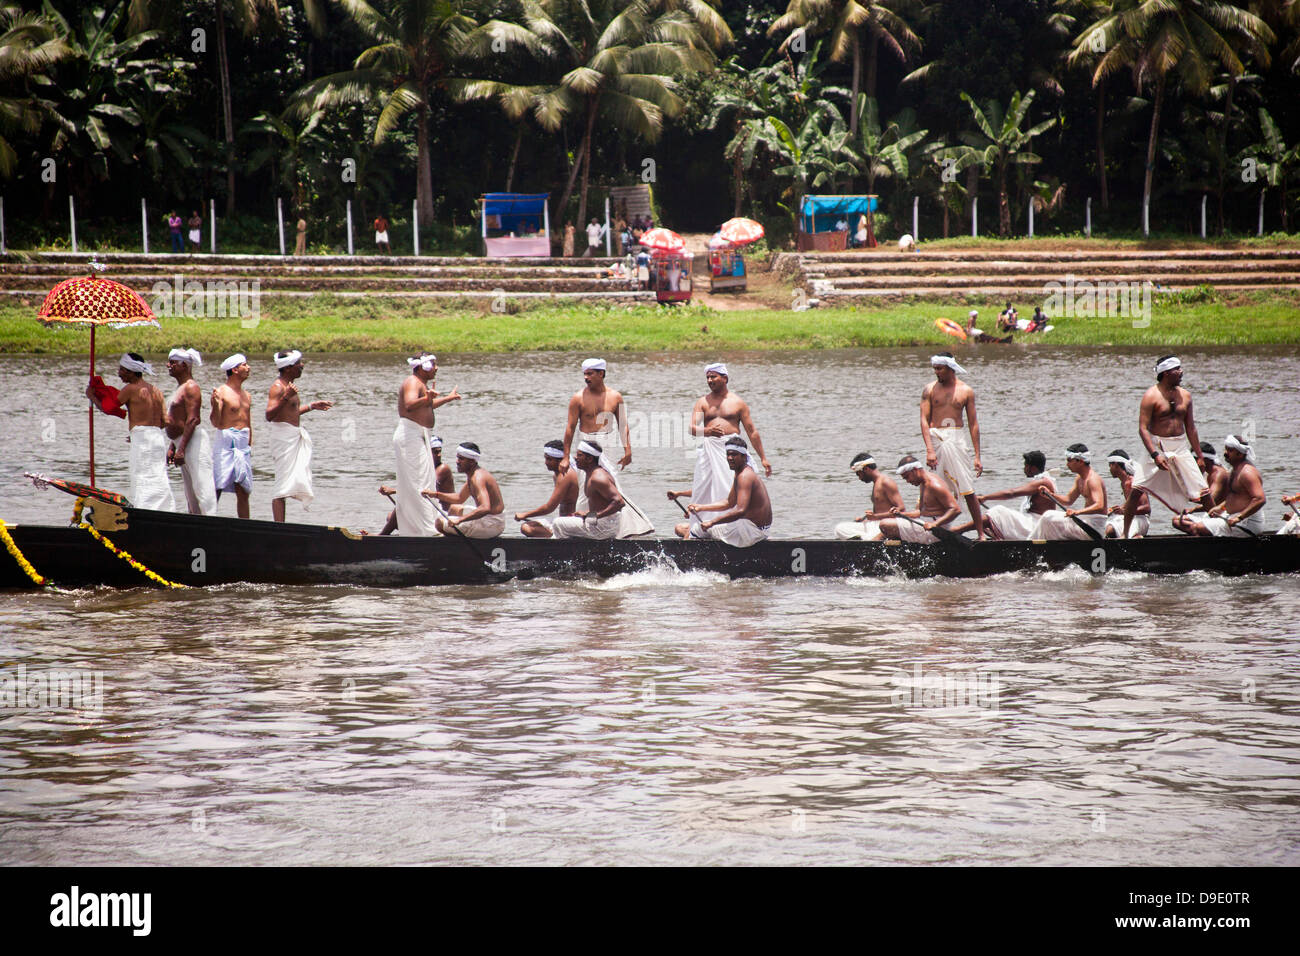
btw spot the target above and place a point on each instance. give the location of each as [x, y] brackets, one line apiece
[1020, 524]
[936, 502]
[601, 520]
[1291, 520]
[1123, 468]
[746, 517]
[484, 519]
[443, 481]
[1241, 512]
[884, 496]
[564, 494]
[1216, 476]
[1059, 525]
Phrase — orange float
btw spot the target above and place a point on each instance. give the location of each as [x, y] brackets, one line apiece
[950, 327]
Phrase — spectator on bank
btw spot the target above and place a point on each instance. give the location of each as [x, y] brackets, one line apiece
[381, 235]
[300, 246]
[568, 240]
[196, 231]
[174, 223]
[594, 233]
[620, 230]
[860, 239]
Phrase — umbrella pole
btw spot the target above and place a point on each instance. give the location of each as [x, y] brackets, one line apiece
[92, 409]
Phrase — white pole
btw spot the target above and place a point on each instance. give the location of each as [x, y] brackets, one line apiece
[546, 222]
[1146, 216]
[415, 225]
[212, 225]
[72, 216]
[916, 218]
[1031, 217]
[3, 249]
[608, 250]
[1087, 218]
[279, 218]
[1203, 198]
[1260, 231]
[974, 216]
[144, 225]
[349, 227]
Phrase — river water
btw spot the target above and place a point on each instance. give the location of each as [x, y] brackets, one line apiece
[663, 717]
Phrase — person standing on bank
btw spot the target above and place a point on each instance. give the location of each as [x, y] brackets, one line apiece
[195, 225]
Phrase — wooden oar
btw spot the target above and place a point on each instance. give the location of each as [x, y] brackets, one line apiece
[943, 534]
[1088, 529]
[678, 503]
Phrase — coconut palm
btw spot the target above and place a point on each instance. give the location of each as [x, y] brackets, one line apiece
[1003, 143]
[811, 156]
[881, 152]
[30, 45]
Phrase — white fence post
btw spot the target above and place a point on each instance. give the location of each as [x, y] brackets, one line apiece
[974, 215]
[1203, 198]
[1031, 217]
[415, 225]
[279, 218]
[916, 218]
[1260, 230]
[609, 251]
[72, 216]
[212, 225]
[1146, 216]
[3, 249]
[1087, 218]
[349, 227]
[144, 225]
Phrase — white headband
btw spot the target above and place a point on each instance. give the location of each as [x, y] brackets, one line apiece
[1210, 456]
[973, 313]
[550, 452]
[131, 365]
[1171, 362]
[717, 367]
[594, 364]
[470, 453]
[904, 469]
[1125, 463]
[1231, 442]
[237, 359]
[588, 448]
[426, 361]
[864, 463]
[737, 446]
[293, 358]
[946, 360]
[435, 441]
[190, 357]
[1083, 456]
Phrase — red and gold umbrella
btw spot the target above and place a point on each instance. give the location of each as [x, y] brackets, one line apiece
[90, 300]
[741, 231]
[664, 239]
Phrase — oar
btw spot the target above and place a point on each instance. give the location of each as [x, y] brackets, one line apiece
[500, 576]
[678, 503]
[1088, 529]
[943, 534]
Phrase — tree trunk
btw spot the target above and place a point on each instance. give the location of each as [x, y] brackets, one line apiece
[1223, 145]
[514, 156]
[1004, 206]
[857, 72]
[223, 66]
[1101, 144]
[944, 201]
[573, 179]
[873, 58]
[423, 171]
[586, 161]
[1151, 141]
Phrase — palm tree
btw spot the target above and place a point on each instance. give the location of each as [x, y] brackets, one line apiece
[845, 20]
[30, 45]
[881, 152]
[811, 157]
[1003, 143]
[617, 59]
[1179, 39]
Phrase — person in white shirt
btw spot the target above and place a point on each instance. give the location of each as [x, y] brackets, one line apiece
[594, 233]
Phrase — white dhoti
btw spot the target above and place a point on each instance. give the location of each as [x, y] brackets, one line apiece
[291, 451]
[1181, 483]
[741, 533]
[488, 526]
[955, 460]
[631, 519]
[381, 237]
[1290, 525]
[1242, 529]
[415, 513]
[1138, 529]
[196, 473]
[857, 530]
[232, 460]
[589, 527]
[1055, 526]
[914, 533]
[713, 477]
[1013, 524]
[148, 462]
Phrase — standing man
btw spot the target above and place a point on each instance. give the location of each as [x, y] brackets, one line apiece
[1058, 525]
[1123, 469]
[484, 520]
[595, 413]
[416, 400]
[141, 404]
[943, 402]
[935, 501]
[174, 223]
[191, 445]
[564, 493]
[746, 517]
[442, 477]
[885, 496]
[604, 502]
[594, 233]
[1167, 427]
[196, 232]
[289, 441]
[1021, 524]
[381, 235]
[1241, 512]
[232, 458]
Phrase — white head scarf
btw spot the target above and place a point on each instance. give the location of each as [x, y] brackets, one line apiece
[293, 358]
[594, 364]
[1172, 362]
[426, 361]
[718, 367]
[1123, 462]
[470, 453]
[911, 465]
[1083, 456]
[234, 361]
[1236, 444]
[131, 365]
[948, 361]
[588, 448]
[550, 452]
[190, 357]
[435, 441]
[857, 466]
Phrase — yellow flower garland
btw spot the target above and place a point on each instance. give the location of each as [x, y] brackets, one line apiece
[76, 518]
[18, 555]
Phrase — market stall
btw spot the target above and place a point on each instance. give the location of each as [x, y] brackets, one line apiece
[727, 271]
[665, 266]
[515, 224]
[819, 215]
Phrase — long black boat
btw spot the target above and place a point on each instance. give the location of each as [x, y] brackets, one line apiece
[201, 551]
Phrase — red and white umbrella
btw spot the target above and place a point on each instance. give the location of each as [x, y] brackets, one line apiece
[741, 231]
[663, 239]
[717, 242]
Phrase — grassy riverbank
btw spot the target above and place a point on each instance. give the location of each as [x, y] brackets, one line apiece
[327, 324]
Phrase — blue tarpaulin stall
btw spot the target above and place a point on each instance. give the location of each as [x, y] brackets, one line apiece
[521, 221]
[820, 213]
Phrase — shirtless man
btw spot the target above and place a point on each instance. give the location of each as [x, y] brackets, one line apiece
[416, 401]
[143, 407]
[1291, 519]
[1010, 524]
[564, 493]
[232, 456]
[601, 519]
[936, 502]
[943, 402]
[1175, 474]
[442, 477]
[1241, 512]
[746, 517]
[884, 497]
[1216, 476]
[1123, 469]
[717, 415]
[1058, 525]
[191, 445]
[290, 444]
[484, 519]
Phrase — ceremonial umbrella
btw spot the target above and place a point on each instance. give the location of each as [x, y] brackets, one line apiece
[90, 300]
[664, 239]
[741, 231]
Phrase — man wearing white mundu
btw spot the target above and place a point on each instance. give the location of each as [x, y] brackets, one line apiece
[190, 443]
[601, 519]
[416, 400]
[289, 441]
[142, 406]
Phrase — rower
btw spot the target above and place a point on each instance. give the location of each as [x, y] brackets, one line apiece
[601, 518]
[416, 401]
[484, 519]
[442, 475]
[597, 413]
[746, 517]
[884, 496]
[936, 502]
[1241, 512]
[142, 405]
[1291, 520]
[1058, 525]
[717, 415]
[289, 441]
[1167, 427]
[191, 445]
[1216, 476]
[944, 401]
[232, 453]
[564, 493]
[1123, 469]
[1020, 524]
